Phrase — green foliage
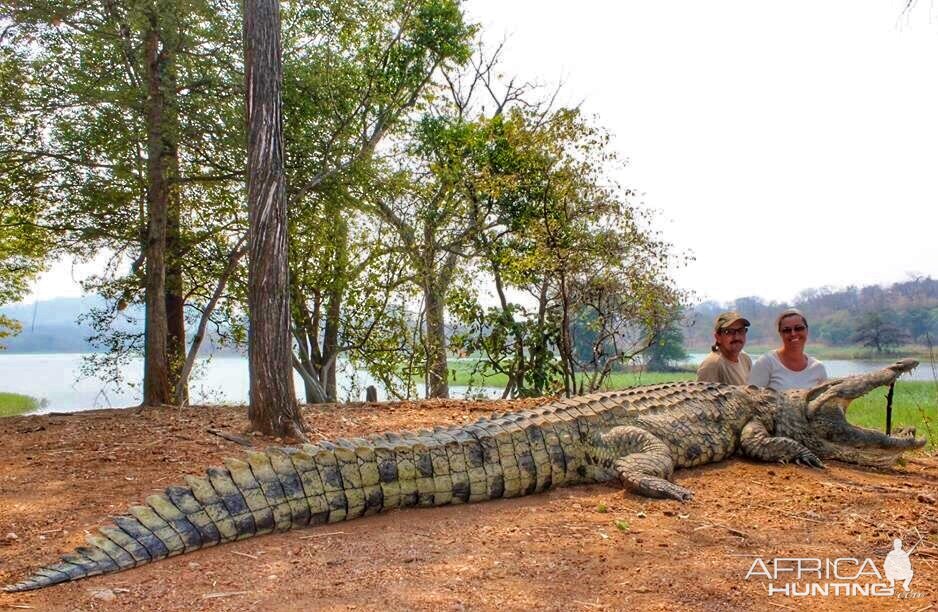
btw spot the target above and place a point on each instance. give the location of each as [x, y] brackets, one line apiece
[921, 324]
[878, 330]
[838, 329]
[369, 63]
[667, 349]
[12, 404]
[75, 155]
[551, 226]
[400, 185]
[504, 338]
[24, 248]
[441, 31]
[371, 66]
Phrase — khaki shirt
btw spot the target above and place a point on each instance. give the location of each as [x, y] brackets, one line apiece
[717, 368]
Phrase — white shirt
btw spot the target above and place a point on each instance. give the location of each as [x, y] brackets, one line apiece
[769, 371]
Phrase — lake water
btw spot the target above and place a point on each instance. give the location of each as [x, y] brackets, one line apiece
[55, 379]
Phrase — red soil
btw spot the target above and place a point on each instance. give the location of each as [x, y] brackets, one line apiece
[587, 547]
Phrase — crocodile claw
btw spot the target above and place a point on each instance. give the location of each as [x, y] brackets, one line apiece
[680, 493]
[809, 459]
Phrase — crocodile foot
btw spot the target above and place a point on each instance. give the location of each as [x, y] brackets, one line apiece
[807, 458]
[651, 486]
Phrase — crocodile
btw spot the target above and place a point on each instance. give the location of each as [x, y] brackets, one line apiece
[637, 436]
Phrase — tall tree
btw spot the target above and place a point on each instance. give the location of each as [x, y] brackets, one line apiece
[431, 213]
[273, 409]
[558, 230]
[373, 64]
[161, 42]
[876, 329]
[432, 220]
[126, 142]
[347, 275]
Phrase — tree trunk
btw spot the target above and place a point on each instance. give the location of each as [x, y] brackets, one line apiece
[175, 299]
[307, 337]
[540, 351]
[273, 408]
[182, 385]
[314, 394]
[304, 366]
[331, 345]
[516, 375]
[156, 381]
[437, 368]
[566, 346]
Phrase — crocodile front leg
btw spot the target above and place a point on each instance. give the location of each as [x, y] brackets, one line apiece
[758, 444]
[644, 463]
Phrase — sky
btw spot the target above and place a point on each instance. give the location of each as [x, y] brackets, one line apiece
[783, 145]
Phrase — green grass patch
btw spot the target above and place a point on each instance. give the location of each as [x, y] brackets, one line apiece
[12, 404]
[915, 403]
[622, 380]
[461, 373]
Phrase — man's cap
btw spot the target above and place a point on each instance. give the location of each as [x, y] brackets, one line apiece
[787, 313]
[728, 318]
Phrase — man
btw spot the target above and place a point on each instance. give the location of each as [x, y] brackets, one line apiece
[727, 363]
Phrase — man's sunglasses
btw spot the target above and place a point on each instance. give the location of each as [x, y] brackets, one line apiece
[796, 329]
[732, 332]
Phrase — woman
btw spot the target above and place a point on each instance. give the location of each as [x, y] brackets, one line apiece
[788, 367]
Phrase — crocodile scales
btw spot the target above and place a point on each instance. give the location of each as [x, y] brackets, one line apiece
[638, 436]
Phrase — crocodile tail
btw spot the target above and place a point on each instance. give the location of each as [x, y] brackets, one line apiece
[276, 490]
[287, 488]
[271, 491]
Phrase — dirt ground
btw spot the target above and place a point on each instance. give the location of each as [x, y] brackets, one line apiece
[587, 547]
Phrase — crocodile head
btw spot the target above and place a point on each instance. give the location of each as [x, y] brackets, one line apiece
[818, 419]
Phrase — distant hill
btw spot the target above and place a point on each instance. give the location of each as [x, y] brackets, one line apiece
[50, 326]
[910, 307]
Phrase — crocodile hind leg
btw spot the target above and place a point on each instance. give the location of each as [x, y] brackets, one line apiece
[756, 442]
[643, 463]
